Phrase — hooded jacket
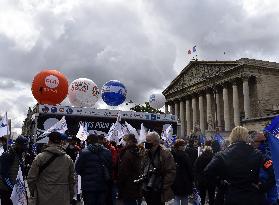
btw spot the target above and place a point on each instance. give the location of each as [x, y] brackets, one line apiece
[89, 166]
[55, 184]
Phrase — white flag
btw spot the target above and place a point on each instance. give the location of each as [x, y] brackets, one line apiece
[60, 126]
[18, 196]
[142, 136]
[169, 139]
[82, 133]
[4, 126]
[132, 130]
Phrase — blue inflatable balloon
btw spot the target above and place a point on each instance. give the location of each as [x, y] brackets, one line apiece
[114, 93]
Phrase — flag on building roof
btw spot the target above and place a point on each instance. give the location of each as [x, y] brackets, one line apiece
[194, 49]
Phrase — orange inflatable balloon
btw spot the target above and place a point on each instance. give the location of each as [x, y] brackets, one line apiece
[50, 87]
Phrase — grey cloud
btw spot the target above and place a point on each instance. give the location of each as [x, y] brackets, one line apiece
[136, 45]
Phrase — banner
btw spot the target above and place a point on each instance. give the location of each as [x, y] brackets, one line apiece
[273, 139]
[18, 196]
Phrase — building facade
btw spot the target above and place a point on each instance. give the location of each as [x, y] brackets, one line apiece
[224, 94]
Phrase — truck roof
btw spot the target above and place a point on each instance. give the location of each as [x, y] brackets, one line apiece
[82, 111]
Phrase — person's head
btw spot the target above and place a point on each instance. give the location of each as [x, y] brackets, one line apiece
[55, 138]
[21, 144]
[130, 139]
[152, 141]
[257, 138]
[239, 134]
[180, 144]
[113, 143]
[101, 139]
[92, 139]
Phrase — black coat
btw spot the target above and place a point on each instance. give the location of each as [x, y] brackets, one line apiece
[192, 153]
[239, 165]
[199, 166]
[89, 166]
[183, 182]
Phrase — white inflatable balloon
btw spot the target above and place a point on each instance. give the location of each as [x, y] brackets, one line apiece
[83, 92]
[157, 101]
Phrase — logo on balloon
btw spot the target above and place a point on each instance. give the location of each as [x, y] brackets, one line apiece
[51, 81]
[95, 91]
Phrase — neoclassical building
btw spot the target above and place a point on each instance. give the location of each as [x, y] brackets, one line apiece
[224, 94]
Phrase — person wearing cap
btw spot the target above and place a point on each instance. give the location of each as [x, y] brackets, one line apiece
[128, 171]
[9, 166]
[94, 165]
[239, 166]
[267, 184]
[183, 183]
[51, 176]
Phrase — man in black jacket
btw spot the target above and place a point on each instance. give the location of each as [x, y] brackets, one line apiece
[94, 165]
[9, 165]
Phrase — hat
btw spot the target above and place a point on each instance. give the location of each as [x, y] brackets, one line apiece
[21, 140]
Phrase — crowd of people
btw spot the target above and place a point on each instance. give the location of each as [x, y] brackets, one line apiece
[239, 173]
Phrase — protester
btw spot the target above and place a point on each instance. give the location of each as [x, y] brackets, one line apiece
[239, 165]
[192, 150]
[267, 183]
[9, 166]
[158, 170]
[72, 149]
[129, 170]
[205, 185]
[3, 142]
[94, 165]
[183, 182]
[51, 177]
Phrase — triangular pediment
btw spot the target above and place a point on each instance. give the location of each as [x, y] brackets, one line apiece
[198, 71]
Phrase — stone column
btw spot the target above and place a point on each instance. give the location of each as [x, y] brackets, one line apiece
[172, 109]
[226, 109]
[182, 118]
[176, 110]
[218, 107]
[166, 108]
[194, 108]
[236, 114]
[246, 98]
[202, 123]
[209, 117]
[188, 117]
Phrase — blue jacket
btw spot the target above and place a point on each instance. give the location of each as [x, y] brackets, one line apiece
[89, 166]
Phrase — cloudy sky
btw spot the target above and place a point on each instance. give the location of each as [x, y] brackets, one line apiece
[142, 43]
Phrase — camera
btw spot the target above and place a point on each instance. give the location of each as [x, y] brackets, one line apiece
[145, 177]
